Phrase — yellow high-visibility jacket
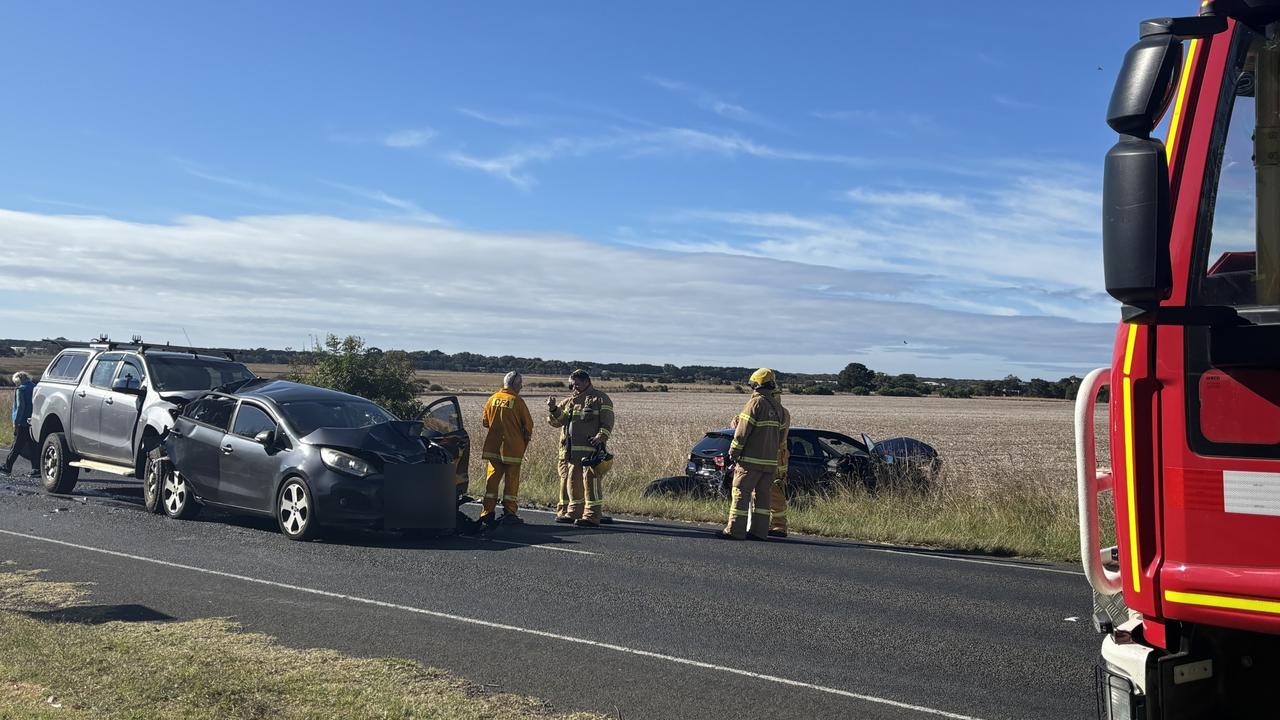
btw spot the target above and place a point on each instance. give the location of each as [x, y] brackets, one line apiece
[510, 427]
[758, 438]
[784, 450]
[590, 416]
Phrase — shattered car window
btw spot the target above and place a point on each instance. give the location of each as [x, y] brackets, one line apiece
[175, 374]
[306, 416]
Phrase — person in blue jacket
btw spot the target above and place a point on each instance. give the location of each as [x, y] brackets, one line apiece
[23, 445]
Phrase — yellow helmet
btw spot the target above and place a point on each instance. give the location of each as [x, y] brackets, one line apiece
[763, 376]
[600, 462]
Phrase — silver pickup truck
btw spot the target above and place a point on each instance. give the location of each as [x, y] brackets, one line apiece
[105, 406]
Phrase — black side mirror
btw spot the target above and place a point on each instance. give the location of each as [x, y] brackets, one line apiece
[126, 385]
[266, 438]
[1136, 212]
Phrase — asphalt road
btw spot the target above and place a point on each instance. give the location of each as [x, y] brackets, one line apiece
[637, 620]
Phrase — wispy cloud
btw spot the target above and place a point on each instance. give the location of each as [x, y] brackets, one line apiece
[85, 275]
[897, 123]
[408, 210]
[508, 121]
[711, 102]
[1014, 103]
[249, 186]
[1028, 245]
[513, 166]
[411, 138]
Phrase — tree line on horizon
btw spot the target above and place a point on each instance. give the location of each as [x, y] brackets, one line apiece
[856, 378]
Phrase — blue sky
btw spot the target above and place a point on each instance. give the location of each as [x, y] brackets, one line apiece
[912, 187]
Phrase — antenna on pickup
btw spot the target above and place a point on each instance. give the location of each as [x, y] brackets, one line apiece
[185, 335]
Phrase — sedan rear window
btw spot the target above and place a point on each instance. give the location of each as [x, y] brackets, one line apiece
[307, 416]
[713, 441]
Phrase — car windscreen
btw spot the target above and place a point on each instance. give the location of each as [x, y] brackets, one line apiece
[307, 415]
[176, 374]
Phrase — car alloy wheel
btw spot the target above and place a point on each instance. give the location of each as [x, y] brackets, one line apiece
[50, 462]
[176, 494]
[295, 510]
[151, 490]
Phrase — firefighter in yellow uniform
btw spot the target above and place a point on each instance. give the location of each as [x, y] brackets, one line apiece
[586, 422]
[754, 452]
[778, 518]
[510, 429]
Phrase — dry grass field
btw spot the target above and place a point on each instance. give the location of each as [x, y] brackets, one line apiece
[1007, 483]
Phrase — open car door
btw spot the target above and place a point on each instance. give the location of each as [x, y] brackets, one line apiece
[442, 424]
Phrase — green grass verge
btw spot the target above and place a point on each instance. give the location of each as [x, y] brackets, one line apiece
[54, 667]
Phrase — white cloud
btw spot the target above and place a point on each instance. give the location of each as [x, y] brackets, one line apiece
[426, 287]
[711, 102]
[513, 166]
[411, 138]
[408, 210]
[493, 118]
[1028, 246]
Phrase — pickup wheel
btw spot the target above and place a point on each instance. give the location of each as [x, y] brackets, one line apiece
[152, 481]
[56, 474]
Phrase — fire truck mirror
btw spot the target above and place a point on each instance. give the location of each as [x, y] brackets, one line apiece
[1136, 219]
[1145, 85]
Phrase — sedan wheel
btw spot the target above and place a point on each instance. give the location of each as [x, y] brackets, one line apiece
[295, 511]
[175, 495]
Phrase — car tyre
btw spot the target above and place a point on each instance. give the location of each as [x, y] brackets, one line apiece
[676, 486]
[152, 481]
[176, 497]
[56, 473]
[295, 511]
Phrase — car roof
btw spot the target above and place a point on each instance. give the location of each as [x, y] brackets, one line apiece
[285, 391]
[164, 354]
[729, 430]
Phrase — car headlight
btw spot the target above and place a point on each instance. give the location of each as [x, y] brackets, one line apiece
[344, 463]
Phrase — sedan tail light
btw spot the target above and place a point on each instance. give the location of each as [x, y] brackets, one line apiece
[719, 461]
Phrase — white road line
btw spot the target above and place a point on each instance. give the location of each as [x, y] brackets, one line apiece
[912, 553]
[542, 547]
[509, 628]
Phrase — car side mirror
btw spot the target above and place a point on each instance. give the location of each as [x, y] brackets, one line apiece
[266, 438]
[126, 385]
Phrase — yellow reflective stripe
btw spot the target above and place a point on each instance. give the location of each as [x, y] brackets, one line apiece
[1175, 122]
[736, 443]
[1223, 601]
[606, 407]
[767, 423]
[606, 431]
[491, 495]
[779, 513]
[748, 418]
[738, 513]
[1130, 491]
[583, 448]
[490, 456]
[511, 497]
[765, 511]
[594, 503]
[758, 461]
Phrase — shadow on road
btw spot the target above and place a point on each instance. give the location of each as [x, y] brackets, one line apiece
[99, 614]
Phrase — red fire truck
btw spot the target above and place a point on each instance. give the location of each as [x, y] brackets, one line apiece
[1191, 246]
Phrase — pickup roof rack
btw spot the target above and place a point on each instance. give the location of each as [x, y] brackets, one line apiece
[137, 345]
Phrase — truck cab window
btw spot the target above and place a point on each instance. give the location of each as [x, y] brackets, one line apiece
[132, 373]
[103, 371]
[1240, 263]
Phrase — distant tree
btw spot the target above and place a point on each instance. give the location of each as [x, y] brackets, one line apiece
[854, 375]
[1011, 385]
[956, 391]
[860, 390]
[346, 365]
[1037, 387]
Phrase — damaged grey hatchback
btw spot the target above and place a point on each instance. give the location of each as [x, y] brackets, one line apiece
[308, 457]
